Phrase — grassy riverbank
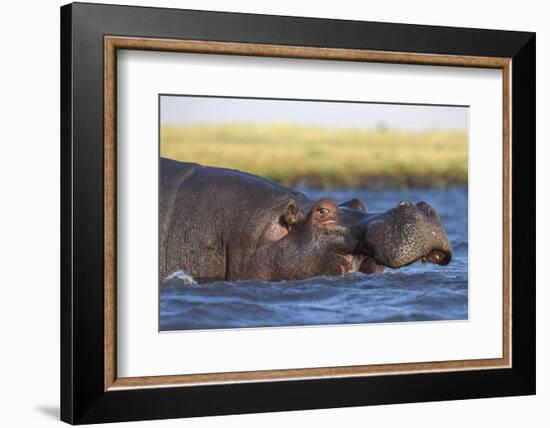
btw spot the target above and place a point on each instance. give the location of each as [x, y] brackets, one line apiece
[329, 158]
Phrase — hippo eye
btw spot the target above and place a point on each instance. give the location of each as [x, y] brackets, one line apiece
[322, 210]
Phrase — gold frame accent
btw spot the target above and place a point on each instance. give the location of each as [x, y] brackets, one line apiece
[113, 43]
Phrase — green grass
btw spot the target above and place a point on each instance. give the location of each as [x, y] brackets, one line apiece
[323, 157]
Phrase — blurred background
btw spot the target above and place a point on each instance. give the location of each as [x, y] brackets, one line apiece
[320, 144]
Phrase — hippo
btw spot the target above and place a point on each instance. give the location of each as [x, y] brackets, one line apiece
[224, 224]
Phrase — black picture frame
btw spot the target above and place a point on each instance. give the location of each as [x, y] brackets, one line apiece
[83, 396]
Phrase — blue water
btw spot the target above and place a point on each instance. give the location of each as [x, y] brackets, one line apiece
[412, 293]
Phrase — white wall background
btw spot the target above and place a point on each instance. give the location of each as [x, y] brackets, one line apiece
[29, 213]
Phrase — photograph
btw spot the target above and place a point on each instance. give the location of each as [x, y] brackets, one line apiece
[297, 212]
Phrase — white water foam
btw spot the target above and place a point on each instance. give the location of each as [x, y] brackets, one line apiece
[179, 278]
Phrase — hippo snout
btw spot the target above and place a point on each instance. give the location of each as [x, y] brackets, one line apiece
[442, 252]
[407, 233]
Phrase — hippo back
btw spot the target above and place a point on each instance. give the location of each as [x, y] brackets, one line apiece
[213, 219]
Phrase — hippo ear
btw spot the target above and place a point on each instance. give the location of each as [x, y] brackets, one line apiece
[355, 204]
[292, 214]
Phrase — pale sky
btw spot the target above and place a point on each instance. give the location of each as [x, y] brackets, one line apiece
[187, 110]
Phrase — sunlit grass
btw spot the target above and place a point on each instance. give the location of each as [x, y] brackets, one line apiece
[323, 157]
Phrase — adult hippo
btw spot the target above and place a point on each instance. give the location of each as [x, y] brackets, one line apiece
[218, 224]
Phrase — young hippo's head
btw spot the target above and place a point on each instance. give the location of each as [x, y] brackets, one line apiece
[405, 234]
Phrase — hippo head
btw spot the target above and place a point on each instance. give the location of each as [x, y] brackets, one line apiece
[346, 238]
[403, 235]
[322, 238]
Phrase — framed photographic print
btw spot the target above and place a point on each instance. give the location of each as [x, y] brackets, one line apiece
[264, 213]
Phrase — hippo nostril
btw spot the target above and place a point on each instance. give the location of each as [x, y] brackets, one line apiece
[405, 204]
